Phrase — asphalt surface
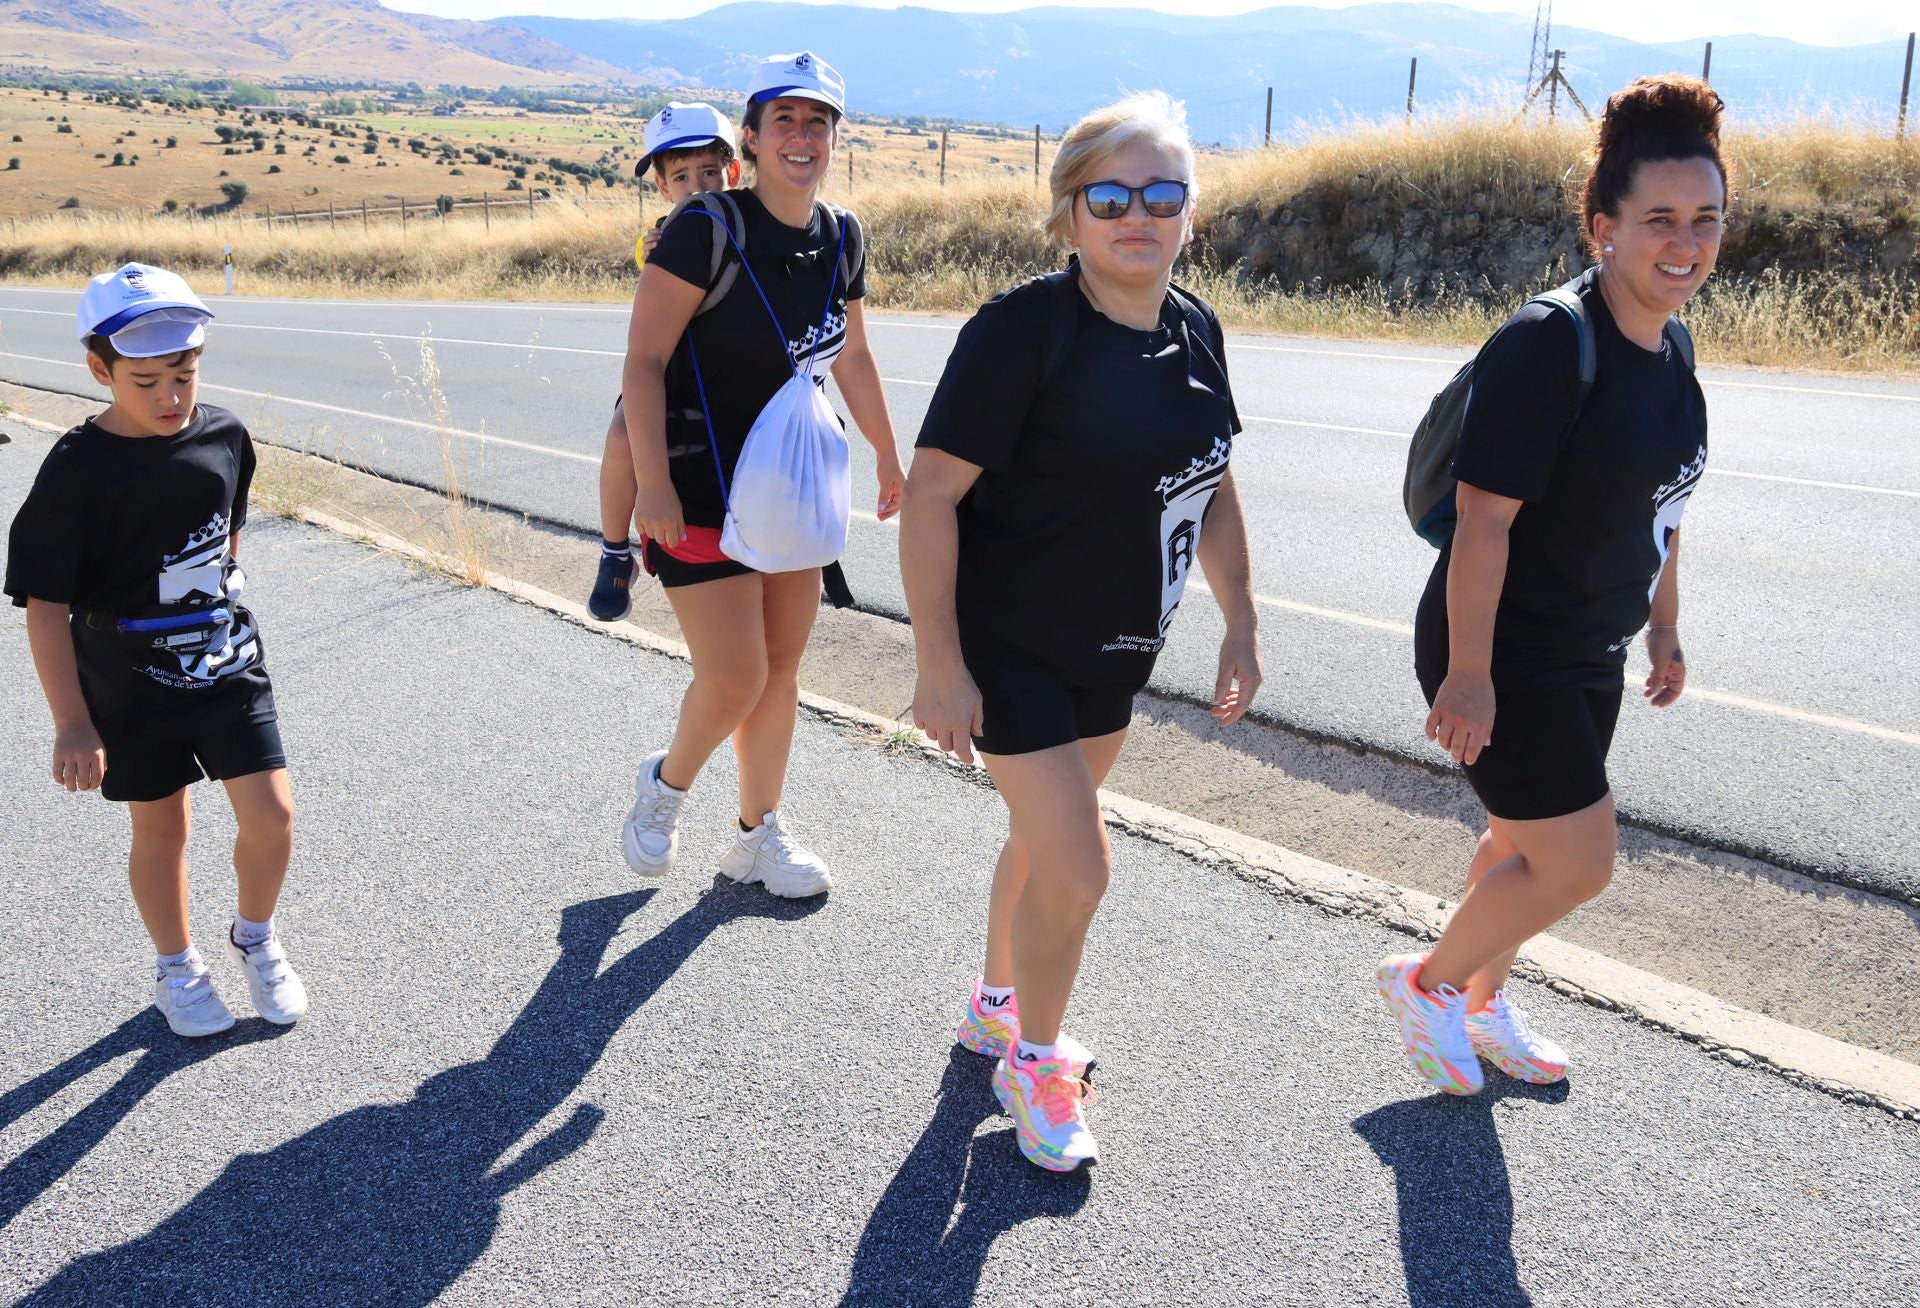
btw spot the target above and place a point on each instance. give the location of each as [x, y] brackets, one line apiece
[1801, 744]
[528, 1077]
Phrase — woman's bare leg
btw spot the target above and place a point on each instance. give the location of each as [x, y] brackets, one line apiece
[1010, 873]
[1558, 864]
[725, 632]
[763, 741]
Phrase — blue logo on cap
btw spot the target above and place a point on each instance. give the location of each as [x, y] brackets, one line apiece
[804, 62]
[137, 280]
[666, 117]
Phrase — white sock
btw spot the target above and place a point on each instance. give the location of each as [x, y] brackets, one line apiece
[187, 955]
[1030, 1052]
[995, 996]
[251, 933]
[661, 781]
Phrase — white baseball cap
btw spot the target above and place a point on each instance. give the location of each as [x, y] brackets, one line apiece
[806, 75]
[681, 127]
[145, 312]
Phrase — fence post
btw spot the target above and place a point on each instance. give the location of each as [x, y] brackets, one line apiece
[849, 172]
[1036, 156]
[330, 225]
[1413, 71]
[403, 217]
[486, 208]
[363, 216]
[1906, 81]
[1706, 65]
[529, 202]
[943, 156]
[1268, 140]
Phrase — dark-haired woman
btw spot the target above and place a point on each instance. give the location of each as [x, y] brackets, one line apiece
[688, 412]
[1568, 544]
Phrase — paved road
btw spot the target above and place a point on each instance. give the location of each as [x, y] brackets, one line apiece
[1801, 574]
[529, 1078]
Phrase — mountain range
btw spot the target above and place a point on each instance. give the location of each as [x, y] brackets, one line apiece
[1049, 65]
[1043, 65]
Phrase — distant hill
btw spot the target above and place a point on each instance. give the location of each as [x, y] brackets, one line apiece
[1048, 65]
[265, 39]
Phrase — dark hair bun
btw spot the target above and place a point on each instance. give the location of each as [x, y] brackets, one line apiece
[1672, 104]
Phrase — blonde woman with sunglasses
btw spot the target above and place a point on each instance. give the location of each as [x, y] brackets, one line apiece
[1076, 444]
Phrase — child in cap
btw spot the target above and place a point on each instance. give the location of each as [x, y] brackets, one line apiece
[123, 556]
[690, 148]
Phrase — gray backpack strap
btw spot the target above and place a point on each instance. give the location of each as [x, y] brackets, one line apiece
[851, 254]
[1682, 340]
[1568, 299]
[721, 274]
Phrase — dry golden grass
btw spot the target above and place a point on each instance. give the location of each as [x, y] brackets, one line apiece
[950, 248]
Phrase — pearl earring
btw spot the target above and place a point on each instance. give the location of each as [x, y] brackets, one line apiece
[1606, 249]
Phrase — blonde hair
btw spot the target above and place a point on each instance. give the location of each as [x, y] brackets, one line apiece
[1145, 115]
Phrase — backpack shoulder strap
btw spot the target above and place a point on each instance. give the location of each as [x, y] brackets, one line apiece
[1199, 325]
[721, 274]
[1568, 300]
[852, 250]
[1682, 340]
[1063, 320]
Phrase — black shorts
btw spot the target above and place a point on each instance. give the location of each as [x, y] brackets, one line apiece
[238, 735]
[1028, 705]
[1549, 752]
[678, 572]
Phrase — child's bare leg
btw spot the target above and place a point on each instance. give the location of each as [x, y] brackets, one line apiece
[618, 487]
[1010, 873]
[263, 811]
[790, 601]
[722, 625]
[157, 868]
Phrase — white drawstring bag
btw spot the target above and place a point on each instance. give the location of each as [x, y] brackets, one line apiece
[792, 489]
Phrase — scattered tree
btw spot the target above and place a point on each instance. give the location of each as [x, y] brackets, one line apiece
[72, 201]
[13, 165]
[236, 193]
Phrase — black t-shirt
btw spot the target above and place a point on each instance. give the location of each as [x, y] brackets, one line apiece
[139, 528]
[1601, 499]
[741, 358]
[1077, 538]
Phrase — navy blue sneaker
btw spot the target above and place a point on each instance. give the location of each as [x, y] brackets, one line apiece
[612, 597]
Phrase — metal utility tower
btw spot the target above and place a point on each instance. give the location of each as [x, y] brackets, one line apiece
[1553, 83]
[1539, 57]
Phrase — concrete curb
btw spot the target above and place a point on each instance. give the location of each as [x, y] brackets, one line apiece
[1723, 1030]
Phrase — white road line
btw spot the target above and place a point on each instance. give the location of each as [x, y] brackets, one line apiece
[362, 413]
[379, 336]
[1327, 426]
[1807, 481]
[515, 306]
[1269, 601]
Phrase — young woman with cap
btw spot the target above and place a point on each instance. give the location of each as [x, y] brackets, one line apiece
[1076, 444]
[695, 380]
[1568, 544]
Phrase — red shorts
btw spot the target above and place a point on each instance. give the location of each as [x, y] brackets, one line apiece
[697, 558]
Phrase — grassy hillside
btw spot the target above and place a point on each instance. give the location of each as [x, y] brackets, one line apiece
[1819, 270]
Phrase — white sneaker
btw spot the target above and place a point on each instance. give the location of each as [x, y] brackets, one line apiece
[1433, 1027]
[184, 994]
[768, 855]
[278, 993]
[1502, 1035]
[651, 833]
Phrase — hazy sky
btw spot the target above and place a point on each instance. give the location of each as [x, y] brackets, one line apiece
[1830, 22]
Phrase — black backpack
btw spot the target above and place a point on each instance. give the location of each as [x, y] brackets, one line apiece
[1427, 492]
[724, 207]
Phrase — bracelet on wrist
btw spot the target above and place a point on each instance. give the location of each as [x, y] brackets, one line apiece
[1666, 626]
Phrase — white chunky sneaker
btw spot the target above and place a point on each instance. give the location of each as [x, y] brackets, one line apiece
[184, 994]
[278, 993]
[1502, 1035]
[1047, 1099]
[767, 854]
[650, 835]
[1433, 1027]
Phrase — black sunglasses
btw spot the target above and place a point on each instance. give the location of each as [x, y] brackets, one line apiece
[1111, 199]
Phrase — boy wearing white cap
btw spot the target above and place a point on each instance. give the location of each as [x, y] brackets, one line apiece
[123, 557]
[690, 149]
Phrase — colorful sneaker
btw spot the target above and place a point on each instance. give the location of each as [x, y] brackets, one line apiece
[651, 833]
[1433, 1030]
[1502, 1035]
[278, 993]
[612, 597]
[184, 994]
[768, 855]
[988, 1028]
[1046, 1098]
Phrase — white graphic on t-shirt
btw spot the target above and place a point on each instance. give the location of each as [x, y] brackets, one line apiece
[204, 572]
[1186, 497]
[831, 341]
[1669, 502]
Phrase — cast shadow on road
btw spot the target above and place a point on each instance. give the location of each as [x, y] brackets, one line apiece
[390, 1203]
[162, 1053]
[915, 1250]
[1456, 1202]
